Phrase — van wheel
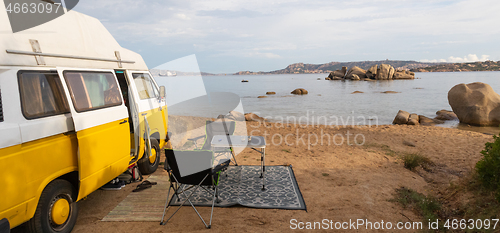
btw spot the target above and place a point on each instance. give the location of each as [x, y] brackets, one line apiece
[57, 210]
[148, 166]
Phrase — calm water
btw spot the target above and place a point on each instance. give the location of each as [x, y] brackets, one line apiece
[331, 101]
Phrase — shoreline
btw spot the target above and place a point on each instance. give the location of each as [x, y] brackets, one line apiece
[339, 182]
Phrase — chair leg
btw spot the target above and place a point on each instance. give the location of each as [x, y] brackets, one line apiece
[167, 204]
[213, 204]
[187, 200]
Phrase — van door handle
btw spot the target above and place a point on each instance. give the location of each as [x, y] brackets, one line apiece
[144, 114]
[123, 122]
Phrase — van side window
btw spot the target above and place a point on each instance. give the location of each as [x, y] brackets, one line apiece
[1, 107]
[41, 94]
[145, 86]
[92, 90]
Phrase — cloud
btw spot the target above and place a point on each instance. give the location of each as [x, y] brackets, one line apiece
[315, 31]
[452, 59]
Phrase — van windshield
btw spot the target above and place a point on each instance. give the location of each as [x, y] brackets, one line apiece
[145, 86]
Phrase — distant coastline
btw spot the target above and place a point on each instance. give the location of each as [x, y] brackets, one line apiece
[461, 67]
[303, 68]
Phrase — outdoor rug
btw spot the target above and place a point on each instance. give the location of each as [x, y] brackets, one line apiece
[241, 187]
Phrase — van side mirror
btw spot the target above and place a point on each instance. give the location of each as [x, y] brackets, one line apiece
[162, 92]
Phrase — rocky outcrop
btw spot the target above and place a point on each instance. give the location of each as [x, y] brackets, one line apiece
[299, 91]
[262, 96]
[385, 72]
[372, 72]
[401, 74]
[355, 71]
[401, 118]
[405, 118]
[338, 74]
[270, 93]
[475, 104]
[375, 72]
[357, 92]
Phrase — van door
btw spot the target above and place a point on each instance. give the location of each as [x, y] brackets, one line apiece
[149, 103]
[101, 125]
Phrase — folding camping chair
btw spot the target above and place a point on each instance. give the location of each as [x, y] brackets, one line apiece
[190, 170]
[212, 128]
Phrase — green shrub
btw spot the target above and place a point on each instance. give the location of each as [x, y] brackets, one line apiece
[488, 168]
[411, 161]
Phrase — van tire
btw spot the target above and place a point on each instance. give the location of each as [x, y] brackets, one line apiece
[145, 166]
[42, 221]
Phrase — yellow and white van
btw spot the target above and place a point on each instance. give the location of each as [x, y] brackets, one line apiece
[76, 109]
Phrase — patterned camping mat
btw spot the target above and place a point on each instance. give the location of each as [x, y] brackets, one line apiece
[239, 185]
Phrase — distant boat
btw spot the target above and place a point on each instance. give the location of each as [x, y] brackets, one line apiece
[244, 81]
[167, 73]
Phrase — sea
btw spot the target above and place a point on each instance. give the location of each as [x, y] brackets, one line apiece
[330, 102]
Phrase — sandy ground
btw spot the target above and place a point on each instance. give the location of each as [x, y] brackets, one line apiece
[339, 181]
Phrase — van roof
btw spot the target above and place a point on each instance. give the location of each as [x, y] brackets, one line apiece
[71, 40]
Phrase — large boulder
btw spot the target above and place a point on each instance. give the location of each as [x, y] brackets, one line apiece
[334, 75]
[402, 74]
[385, 72]
[299, 91]
[401, 118]
[372, 72]
[475, 104]
[356, 71]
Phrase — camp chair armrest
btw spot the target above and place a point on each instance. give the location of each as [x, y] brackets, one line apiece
[196, 138]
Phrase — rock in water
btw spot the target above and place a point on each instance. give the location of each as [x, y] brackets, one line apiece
[372, 72]
[357, 92]
[385, 72]
[445, 115]
[475, 104]
[335, 75]
[413, 119]
[270, 93]
[262, 96]
[357, 71]
[401, 74]
[428, 121]
[401, 118]
[299, 91]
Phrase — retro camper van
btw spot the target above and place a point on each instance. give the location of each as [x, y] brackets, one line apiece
[76, 110]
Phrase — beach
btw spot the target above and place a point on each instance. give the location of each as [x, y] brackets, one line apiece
[340, 182]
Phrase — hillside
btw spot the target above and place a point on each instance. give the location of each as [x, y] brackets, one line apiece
[301, 68]
[454, 67]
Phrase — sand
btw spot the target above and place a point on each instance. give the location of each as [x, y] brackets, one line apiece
[339, 182]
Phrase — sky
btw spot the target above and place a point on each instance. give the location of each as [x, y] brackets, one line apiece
[267, 35]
